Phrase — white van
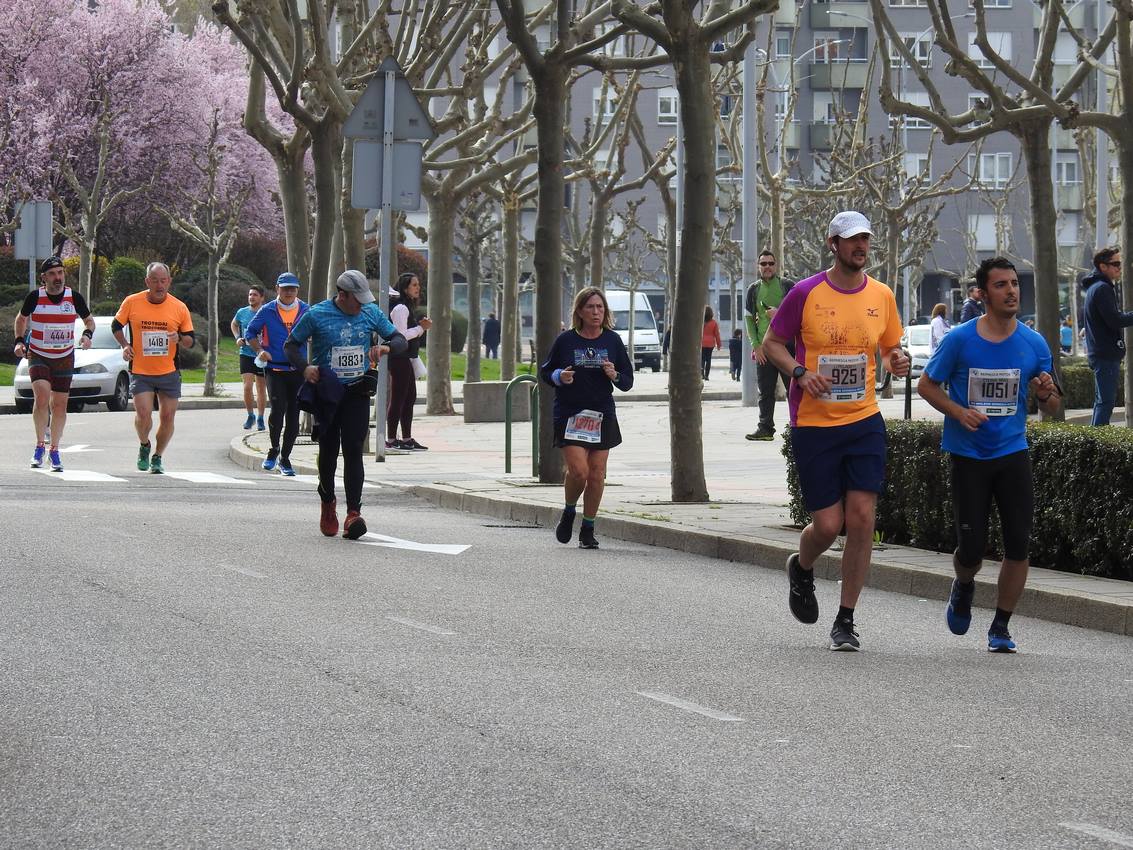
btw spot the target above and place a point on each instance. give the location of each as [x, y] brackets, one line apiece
[646, 349]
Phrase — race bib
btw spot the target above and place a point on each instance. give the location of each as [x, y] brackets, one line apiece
[994, 392]
[58, 337]
[348, 361]
[846, 374]
[585, 426]
[155, 343]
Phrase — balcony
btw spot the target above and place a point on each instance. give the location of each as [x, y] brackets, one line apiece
[1076, 13]
[787, 13]
[1069, 197]
[839, 74]
[840, 15]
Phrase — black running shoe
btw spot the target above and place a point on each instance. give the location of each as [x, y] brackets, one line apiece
[565, 529]
[804, 604]
[843, 638]
[586, 539]
[959, 613]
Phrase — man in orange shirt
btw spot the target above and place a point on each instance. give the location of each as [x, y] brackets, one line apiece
[160, 325]
[837, 319]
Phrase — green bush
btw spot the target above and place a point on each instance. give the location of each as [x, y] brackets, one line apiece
[459, 332]
[105, 308]
[1083, 495]
[13, 293]
[125, 276]
[1078, 386]
[12, 271]
[7, 336]
[192, 287]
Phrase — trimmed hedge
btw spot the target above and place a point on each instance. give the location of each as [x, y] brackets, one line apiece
[191, 286]
[1078, 385]
[459, 331]
[1083, 495]
[125, 276]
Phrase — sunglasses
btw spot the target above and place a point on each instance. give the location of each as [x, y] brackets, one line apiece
[773, 263]
[1116, 264]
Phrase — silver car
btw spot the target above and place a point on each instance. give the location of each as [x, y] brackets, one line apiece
[917, 341]
[100, 373]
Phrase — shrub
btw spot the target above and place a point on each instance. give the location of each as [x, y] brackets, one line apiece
[13, 293]
[1078, 386]
[459, 331]
[1083, 495]
[192, 288]
[192, 358]
[105, 308]
[125, 276]
[12, 271]
[7, 336]
[265, 258]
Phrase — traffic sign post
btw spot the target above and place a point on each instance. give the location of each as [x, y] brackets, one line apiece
[34, 235]
[388, 125]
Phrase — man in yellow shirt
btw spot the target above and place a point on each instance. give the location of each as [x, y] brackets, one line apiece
[160, 326]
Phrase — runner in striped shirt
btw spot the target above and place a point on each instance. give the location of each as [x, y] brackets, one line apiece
[45, 334]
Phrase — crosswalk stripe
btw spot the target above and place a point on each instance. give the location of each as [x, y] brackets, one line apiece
[78, 475]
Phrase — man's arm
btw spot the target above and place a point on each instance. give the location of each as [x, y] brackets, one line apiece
[237, 334]
[934, 394]
[775, 347]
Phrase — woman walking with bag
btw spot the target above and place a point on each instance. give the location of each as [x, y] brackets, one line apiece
[403, 381]
[584, 365]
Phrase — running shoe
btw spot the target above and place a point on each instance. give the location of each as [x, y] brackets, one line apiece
[143, 458]
[801, 599]
[285, 468]
[155, 465]
[586, 539]
[761, 434]
[999, 640]
[959, 613]
[328, 519]
[260, 426]
[37, 456]
[843, 638]
[56, 462]
[250, 421]
[354, 526]
[413, 445]
[394, 444]
[565, 529]
[269, 461]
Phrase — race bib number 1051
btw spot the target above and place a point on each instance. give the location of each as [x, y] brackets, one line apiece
[994, 392]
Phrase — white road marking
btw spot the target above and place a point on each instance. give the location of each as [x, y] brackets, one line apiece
[81, 447]
[1101, 833]
[425, 627]
[372, 539]
[205, 478]
[685, 705]
[242, 570]
[79, 475]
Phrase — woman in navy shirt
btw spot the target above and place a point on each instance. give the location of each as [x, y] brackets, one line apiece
[584, 365]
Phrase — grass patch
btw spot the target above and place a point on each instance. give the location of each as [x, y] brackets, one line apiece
[227, 365]
[7, 374]
[489, 369]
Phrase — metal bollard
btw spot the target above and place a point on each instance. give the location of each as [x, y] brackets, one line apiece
[533, 406]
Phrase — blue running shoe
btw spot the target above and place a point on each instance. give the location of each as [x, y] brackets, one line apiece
[999, 640]
[959, 613]
[56, 463]
[249, 422]
[37, 456]
[269, 461]
[285, 469]
[260, 426]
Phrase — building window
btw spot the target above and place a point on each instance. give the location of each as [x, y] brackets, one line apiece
[667, 106]
[911, 122]
[1069, 228]
[981, 104]
[783, 44]
[1000, 43]
[996, 4]
[339, 47]
[727, 103]
[1065, 49]
[920, 4]
[824, 110]
[605, 105]
[826, 47]
[920, 45]
[991, 170]
[917, 165]
[982, 228]
[617, 47]
[1067, 168]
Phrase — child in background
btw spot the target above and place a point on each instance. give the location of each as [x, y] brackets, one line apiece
[735, 353]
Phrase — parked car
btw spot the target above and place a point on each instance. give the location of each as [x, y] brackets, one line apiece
[100, 373]
[916, 341]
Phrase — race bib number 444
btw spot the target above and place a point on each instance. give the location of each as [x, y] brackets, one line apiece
[59, 337]
[994, 392]
[846, 374]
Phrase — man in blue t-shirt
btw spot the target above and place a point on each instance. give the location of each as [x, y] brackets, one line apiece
[990, 365]
[343, 332]
[249, 372]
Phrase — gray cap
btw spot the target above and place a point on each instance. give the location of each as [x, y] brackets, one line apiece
[354, 282]
[848, 223]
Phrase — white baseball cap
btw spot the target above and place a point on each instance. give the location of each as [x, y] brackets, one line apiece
[354, 282]
[848, 223]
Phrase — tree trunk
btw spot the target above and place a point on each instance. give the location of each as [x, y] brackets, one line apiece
[1125, 159]
[550, 121]
[353, 220]
[296, 226]
[438, 345]
[472, 371]
[690, 61]
[213, 335]
[86, 250]
[1034, 137]
[509, 314]
[776, 211]
[326, 210]
[597, 237]
[337, 248]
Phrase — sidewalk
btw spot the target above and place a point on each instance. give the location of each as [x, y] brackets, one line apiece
[746, 520]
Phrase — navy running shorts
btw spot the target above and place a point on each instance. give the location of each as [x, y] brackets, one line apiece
[835, 459]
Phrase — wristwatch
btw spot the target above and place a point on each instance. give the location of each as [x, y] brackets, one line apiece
[798, 372]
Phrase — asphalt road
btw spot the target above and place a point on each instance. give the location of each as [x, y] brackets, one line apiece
[189, 663]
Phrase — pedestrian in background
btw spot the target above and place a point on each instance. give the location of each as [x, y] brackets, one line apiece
[938, 327]
[761, 302]
[1104, 323]
[584, 364]
[250, 374]
[1066, 336]
[491, 337]
[736, 353]
[973, 307]
[403, 379]
[709, 339]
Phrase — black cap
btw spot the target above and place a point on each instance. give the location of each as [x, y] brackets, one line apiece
[49, 264]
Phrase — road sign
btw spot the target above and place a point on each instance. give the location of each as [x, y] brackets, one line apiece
[34, 236]
[367, 119]
[366, 177]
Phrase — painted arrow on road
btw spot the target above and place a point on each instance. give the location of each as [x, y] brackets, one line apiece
[372, 539]
[77, 449]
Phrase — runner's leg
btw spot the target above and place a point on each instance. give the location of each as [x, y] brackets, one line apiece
[249, 402]
[143, 416]
[595, 480]
[354, 423]
[41, 411]
[166, 410]
[58, 417]
[261, 393]
[824, 528]
[289, 410]
[577, 472]
[860, 514]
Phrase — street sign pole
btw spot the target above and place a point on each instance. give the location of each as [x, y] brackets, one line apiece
[33, 237]
[387, 265]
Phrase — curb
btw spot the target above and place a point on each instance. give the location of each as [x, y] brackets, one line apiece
[887, 572]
